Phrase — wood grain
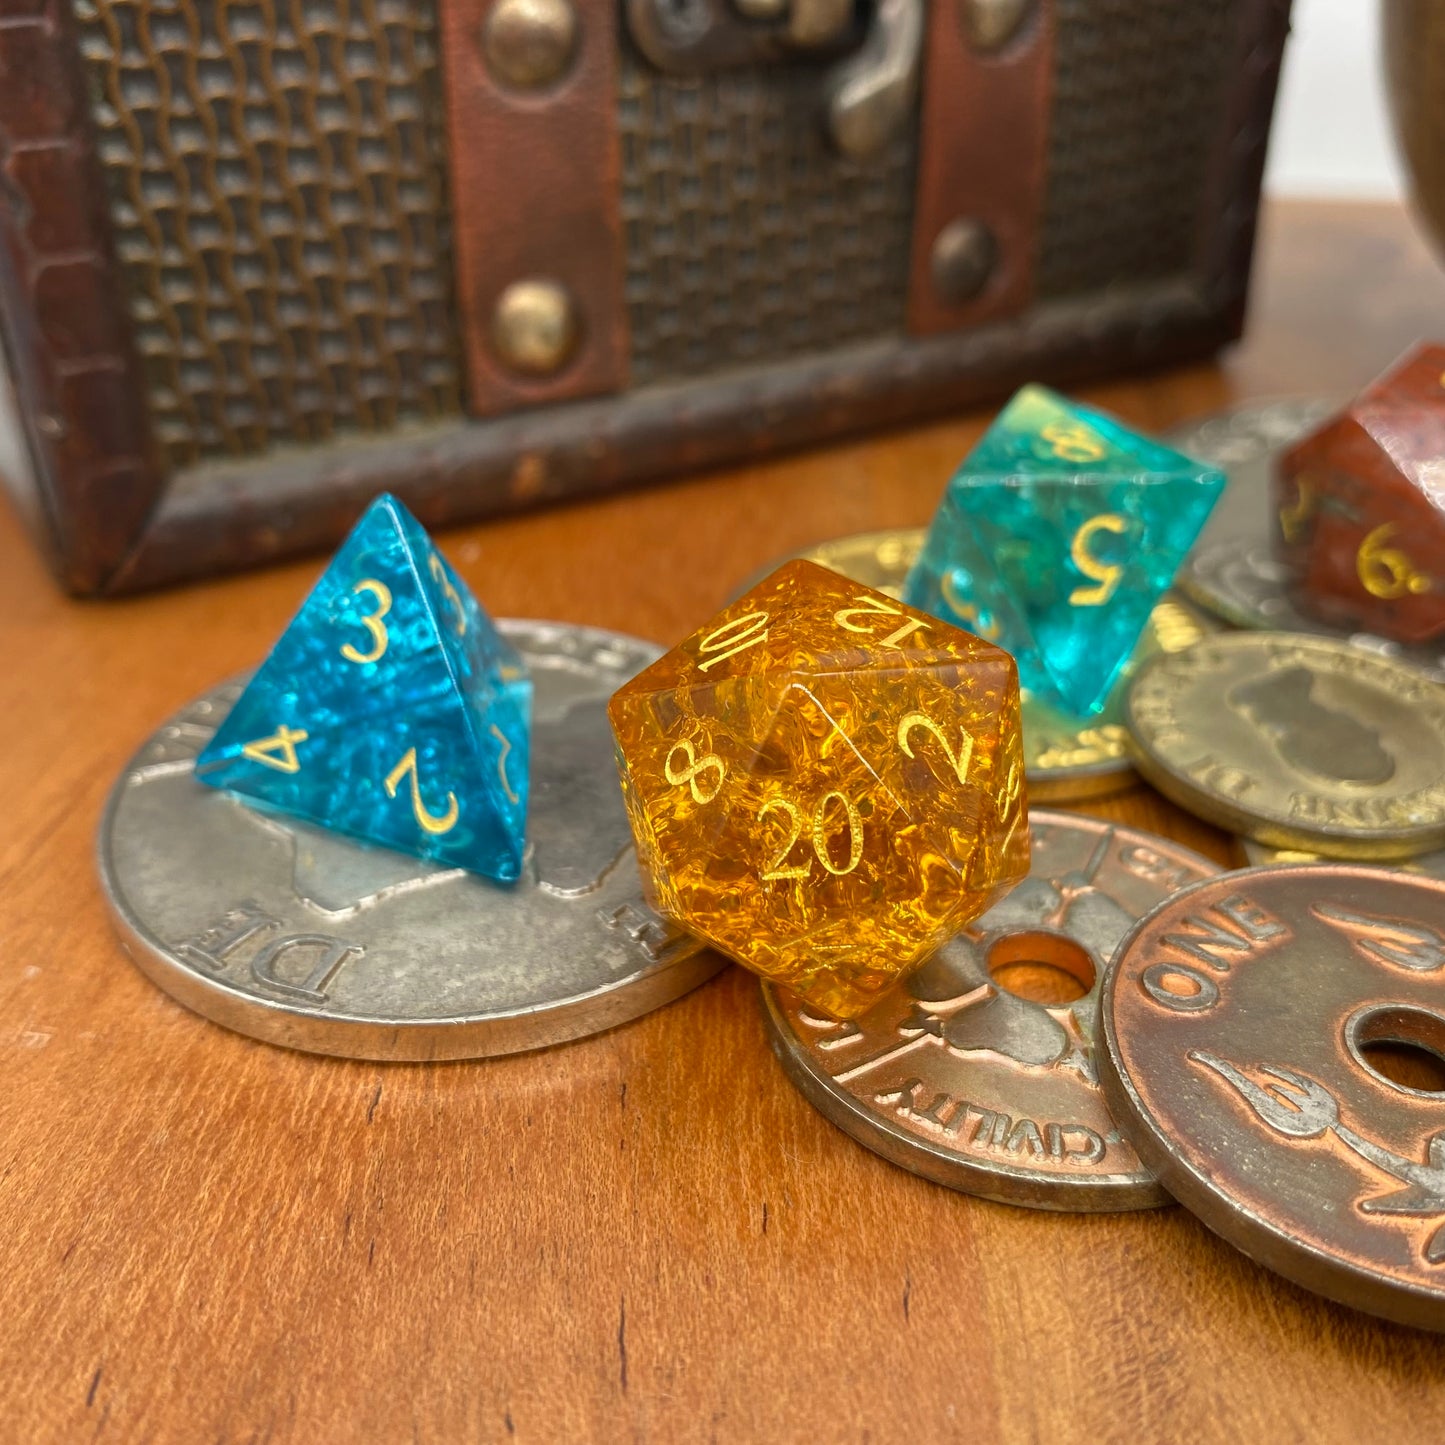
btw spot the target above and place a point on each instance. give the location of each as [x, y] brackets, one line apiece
[644, 1236]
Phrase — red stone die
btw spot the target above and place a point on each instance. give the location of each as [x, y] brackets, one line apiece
[1360, 506]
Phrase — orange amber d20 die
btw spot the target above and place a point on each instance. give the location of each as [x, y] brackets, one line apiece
[1360, 504]
[825, 784]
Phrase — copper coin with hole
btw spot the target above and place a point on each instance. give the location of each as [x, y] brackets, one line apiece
[1274, 1044]
[978, 1071]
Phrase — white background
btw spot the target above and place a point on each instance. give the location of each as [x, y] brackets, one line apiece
[1331, 132]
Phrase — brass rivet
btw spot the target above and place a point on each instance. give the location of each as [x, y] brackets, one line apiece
[964, 257]
[534, 327]
[529, 43]
[991, 24]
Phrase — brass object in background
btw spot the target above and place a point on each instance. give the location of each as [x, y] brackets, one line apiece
[1414, 45]
[535, 327]
[1243, 1023]
[1297, 741]
[991, 24]
[964, 257]
[534, 198]
[816, 24]
[529, 43]
[704, 37]
[873, 91]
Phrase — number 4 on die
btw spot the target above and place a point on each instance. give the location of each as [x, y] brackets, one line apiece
[391, 709]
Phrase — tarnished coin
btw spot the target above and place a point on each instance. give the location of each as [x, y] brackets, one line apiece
[302, 937]
[1232, 571]
[967, 1083]
[1241, 582]
[1244, 584]
[1066, 759]
[1260, 855]
[879, 560]
[1298, 742]
[1244, 441]
[1273, 1042]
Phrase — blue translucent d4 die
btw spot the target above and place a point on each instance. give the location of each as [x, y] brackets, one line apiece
[391, 709]
[1056, 537]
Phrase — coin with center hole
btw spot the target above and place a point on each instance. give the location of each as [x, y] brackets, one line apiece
[1066, 758]
[302, 937]
[1298, 742]
[1274, 1044]
[978, 1071]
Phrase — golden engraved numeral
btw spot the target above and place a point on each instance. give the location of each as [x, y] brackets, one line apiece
[958, 760]
[1293, 517]
[820, 833]
[1386, 571]
[1013, 785]
[1073, 442]
[876, 607]
[776, 868]
[506, 743]
[694, 768]
[1107, 575]
[439, 576]
[373, 624]
[779, 868]
[278, 751]
[966, 610]
[428, 822]
[741, 633]
[1174, 626]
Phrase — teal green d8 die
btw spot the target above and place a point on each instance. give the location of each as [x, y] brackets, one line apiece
[1056, 537]
[391, 709]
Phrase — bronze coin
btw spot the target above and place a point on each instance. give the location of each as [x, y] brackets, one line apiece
[1274, 1045]
[964, 1081]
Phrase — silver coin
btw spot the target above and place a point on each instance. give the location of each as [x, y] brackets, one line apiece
[301, 937]
[1232, 571]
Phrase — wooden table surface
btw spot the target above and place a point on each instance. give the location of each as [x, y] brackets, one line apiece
[647, 1235]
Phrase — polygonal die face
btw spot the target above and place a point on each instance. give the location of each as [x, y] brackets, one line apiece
[1057, 536]
[390, 709]
[1359, 507]
[825, 784]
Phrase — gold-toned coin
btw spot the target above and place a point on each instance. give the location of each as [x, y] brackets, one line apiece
[1261, 855]
[1298, 742]
[1066, 759]
[876, 559]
